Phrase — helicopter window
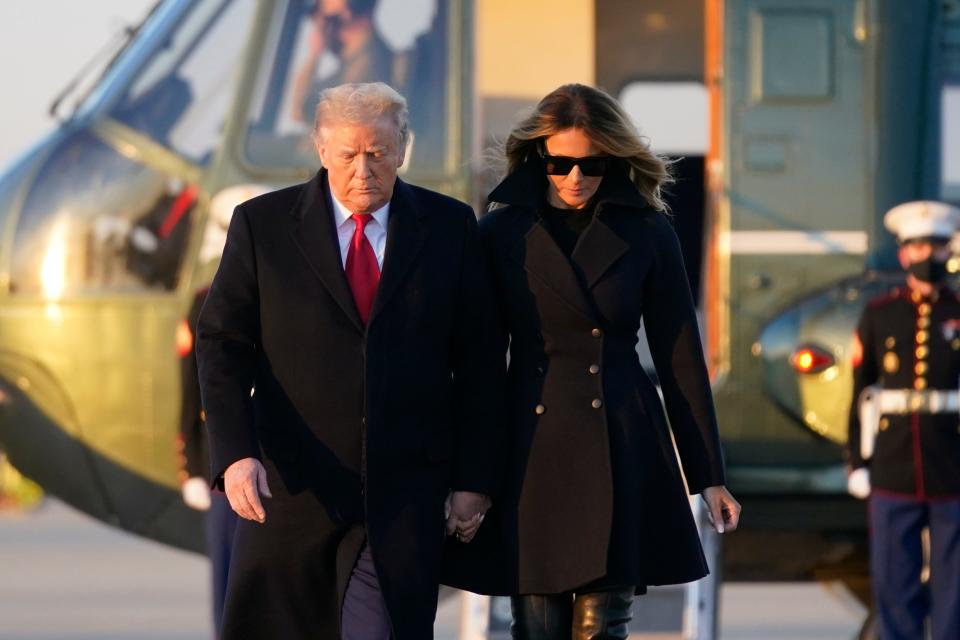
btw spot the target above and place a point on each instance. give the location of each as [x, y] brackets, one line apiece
[180, 99]
[318, 44]
[95, 220]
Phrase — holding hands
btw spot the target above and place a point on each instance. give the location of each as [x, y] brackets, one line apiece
[465, 511]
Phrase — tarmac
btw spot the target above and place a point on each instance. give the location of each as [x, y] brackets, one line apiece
[65, 576]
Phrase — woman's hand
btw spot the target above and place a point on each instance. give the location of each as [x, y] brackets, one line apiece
[465, 511]
[722, 510]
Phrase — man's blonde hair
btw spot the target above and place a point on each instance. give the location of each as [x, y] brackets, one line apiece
[361, 102]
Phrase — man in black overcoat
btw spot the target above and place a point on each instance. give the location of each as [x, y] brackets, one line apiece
[344, 407]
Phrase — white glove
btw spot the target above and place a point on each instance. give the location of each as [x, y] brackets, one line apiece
[196, 493]
[858, 483]
[144, 240]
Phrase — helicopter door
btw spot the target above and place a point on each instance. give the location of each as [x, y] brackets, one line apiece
[796, 130]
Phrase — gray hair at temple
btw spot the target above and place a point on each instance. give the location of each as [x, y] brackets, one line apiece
[359, 103]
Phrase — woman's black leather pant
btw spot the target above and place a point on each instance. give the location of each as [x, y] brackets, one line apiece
[599, 615]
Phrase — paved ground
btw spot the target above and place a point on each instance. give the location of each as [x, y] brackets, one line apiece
[64, 576]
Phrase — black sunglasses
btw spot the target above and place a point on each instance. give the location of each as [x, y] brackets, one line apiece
[592, 166]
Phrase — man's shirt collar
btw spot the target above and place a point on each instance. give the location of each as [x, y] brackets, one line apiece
[342, 213]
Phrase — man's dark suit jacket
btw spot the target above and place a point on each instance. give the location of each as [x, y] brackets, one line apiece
[362, 430]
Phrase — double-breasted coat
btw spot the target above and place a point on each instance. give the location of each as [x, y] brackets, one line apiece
[362, 429]
[910, 342]
[593, 493]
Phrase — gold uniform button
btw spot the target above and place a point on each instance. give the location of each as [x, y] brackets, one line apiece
[594, 369]
[891, 363]
[540, 410]
[921, 368]
[884, 423]
[597, 403]
[924, 309]
[920, 384]
[955, 343]
[890, 342]
[922, 336]
[923, 322]
[922, 352]
[596, 333]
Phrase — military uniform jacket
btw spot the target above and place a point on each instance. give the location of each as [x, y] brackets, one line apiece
[594, 493]
[362, 430]
[910, 342]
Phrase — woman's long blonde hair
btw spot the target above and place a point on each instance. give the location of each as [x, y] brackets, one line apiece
[605, 122]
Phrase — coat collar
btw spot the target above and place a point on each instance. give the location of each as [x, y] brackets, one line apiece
[597, 250]
[316, 237]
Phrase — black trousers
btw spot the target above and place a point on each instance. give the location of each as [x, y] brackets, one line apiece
[592, 615]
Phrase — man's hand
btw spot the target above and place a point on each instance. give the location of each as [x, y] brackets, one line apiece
[722, 510]
[467, 510]
[241, 481]
[196, 493]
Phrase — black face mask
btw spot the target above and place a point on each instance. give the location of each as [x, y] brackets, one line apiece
[930, 270]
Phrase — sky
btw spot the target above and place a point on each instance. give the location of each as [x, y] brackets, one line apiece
[42, 46]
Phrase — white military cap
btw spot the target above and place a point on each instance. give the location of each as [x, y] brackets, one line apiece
[922, 219]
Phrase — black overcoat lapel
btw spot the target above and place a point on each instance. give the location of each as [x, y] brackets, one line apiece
[597, 250]
[405, 237]
[316, 237]
[543, 259]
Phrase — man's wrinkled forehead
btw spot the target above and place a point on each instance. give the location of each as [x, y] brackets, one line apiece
[378, 131]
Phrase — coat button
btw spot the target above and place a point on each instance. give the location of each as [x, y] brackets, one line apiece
[597, 403]
[596, 333]
[922, 336]
[922, 352]
[540, 410]
[540, 371]
[594, 369]
[920, 384]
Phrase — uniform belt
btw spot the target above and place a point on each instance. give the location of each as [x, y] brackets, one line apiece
[902, 401]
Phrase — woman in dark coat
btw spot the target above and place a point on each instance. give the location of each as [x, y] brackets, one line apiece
[594, 508]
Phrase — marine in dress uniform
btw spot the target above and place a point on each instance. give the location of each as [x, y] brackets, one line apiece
[907, 358]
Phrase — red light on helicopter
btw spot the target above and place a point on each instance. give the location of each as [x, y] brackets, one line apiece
[184, 339]
[811, 359]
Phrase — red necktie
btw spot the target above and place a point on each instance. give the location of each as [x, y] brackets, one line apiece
[363, 272]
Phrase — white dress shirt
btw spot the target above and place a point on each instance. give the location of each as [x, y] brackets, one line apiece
[376, 230]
